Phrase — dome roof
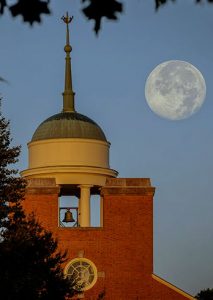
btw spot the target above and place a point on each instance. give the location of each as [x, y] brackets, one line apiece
[68, 125]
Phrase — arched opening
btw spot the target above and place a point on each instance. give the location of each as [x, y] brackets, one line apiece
[72, 210]
[68, 211]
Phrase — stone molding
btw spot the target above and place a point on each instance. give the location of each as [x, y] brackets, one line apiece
[128, 186]
[43, 186]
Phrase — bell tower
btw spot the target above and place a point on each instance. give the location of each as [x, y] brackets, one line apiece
[69, 156]
[71, 148]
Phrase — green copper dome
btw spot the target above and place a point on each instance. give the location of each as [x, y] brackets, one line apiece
[68, 125]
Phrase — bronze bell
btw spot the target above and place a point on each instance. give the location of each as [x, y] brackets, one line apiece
[68, 217]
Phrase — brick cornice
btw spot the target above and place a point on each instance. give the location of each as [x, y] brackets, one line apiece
[42, 186]
[128, 191]
[128, 186]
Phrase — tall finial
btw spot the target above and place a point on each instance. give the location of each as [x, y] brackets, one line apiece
[68, 94]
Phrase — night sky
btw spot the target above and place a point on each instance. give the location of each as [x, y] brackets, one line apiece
[109, 74]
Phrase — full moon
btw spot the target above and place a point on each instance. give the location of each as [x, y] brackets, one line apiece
[175, 90]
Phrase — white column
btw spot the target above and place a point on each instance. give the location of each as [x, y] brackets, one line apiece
[79, 211]
[101, 210]
[84, 205]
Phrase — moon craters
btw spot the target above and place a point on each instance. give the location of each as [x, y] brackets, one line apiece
[175, 90]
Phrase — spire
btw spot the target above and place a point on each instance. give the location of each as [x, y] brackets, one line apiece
[68, 94]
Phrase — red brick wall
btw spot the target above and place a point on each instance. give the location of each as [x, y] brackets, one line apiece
[122, 250]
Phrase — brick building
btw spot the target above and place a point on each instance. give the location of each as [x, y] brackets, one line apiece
[69, 173]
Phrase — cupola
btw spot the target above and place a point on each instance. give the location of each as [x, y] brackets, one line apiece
[68, 146]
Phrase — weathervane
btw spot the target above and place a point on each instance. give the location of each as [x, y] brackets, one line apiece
[67, 19]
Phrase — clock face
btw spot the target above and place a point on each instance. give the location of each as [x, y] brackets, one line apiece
[83, 271]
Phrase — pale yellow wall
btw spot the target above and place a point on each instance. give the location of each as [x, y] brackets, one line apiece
[70, 152]
[70, 161]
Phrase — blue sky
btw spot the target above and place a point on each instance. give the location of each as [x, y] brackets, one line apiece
[109, 74]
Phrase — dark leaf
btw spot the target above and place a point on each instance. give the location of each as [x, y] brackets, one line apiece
[199, 1]
[158, 3]
[1, 78]
[3, 4]
[98, 9]
[30, 10]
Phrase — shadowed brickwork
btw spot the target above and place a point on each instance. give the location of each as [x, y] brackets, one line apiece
[122, 249]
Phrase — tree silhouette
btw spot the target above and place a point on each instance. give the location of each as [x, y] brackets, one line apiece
[205, 295]
[30, 263]
[12, 188]
[94, 10]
